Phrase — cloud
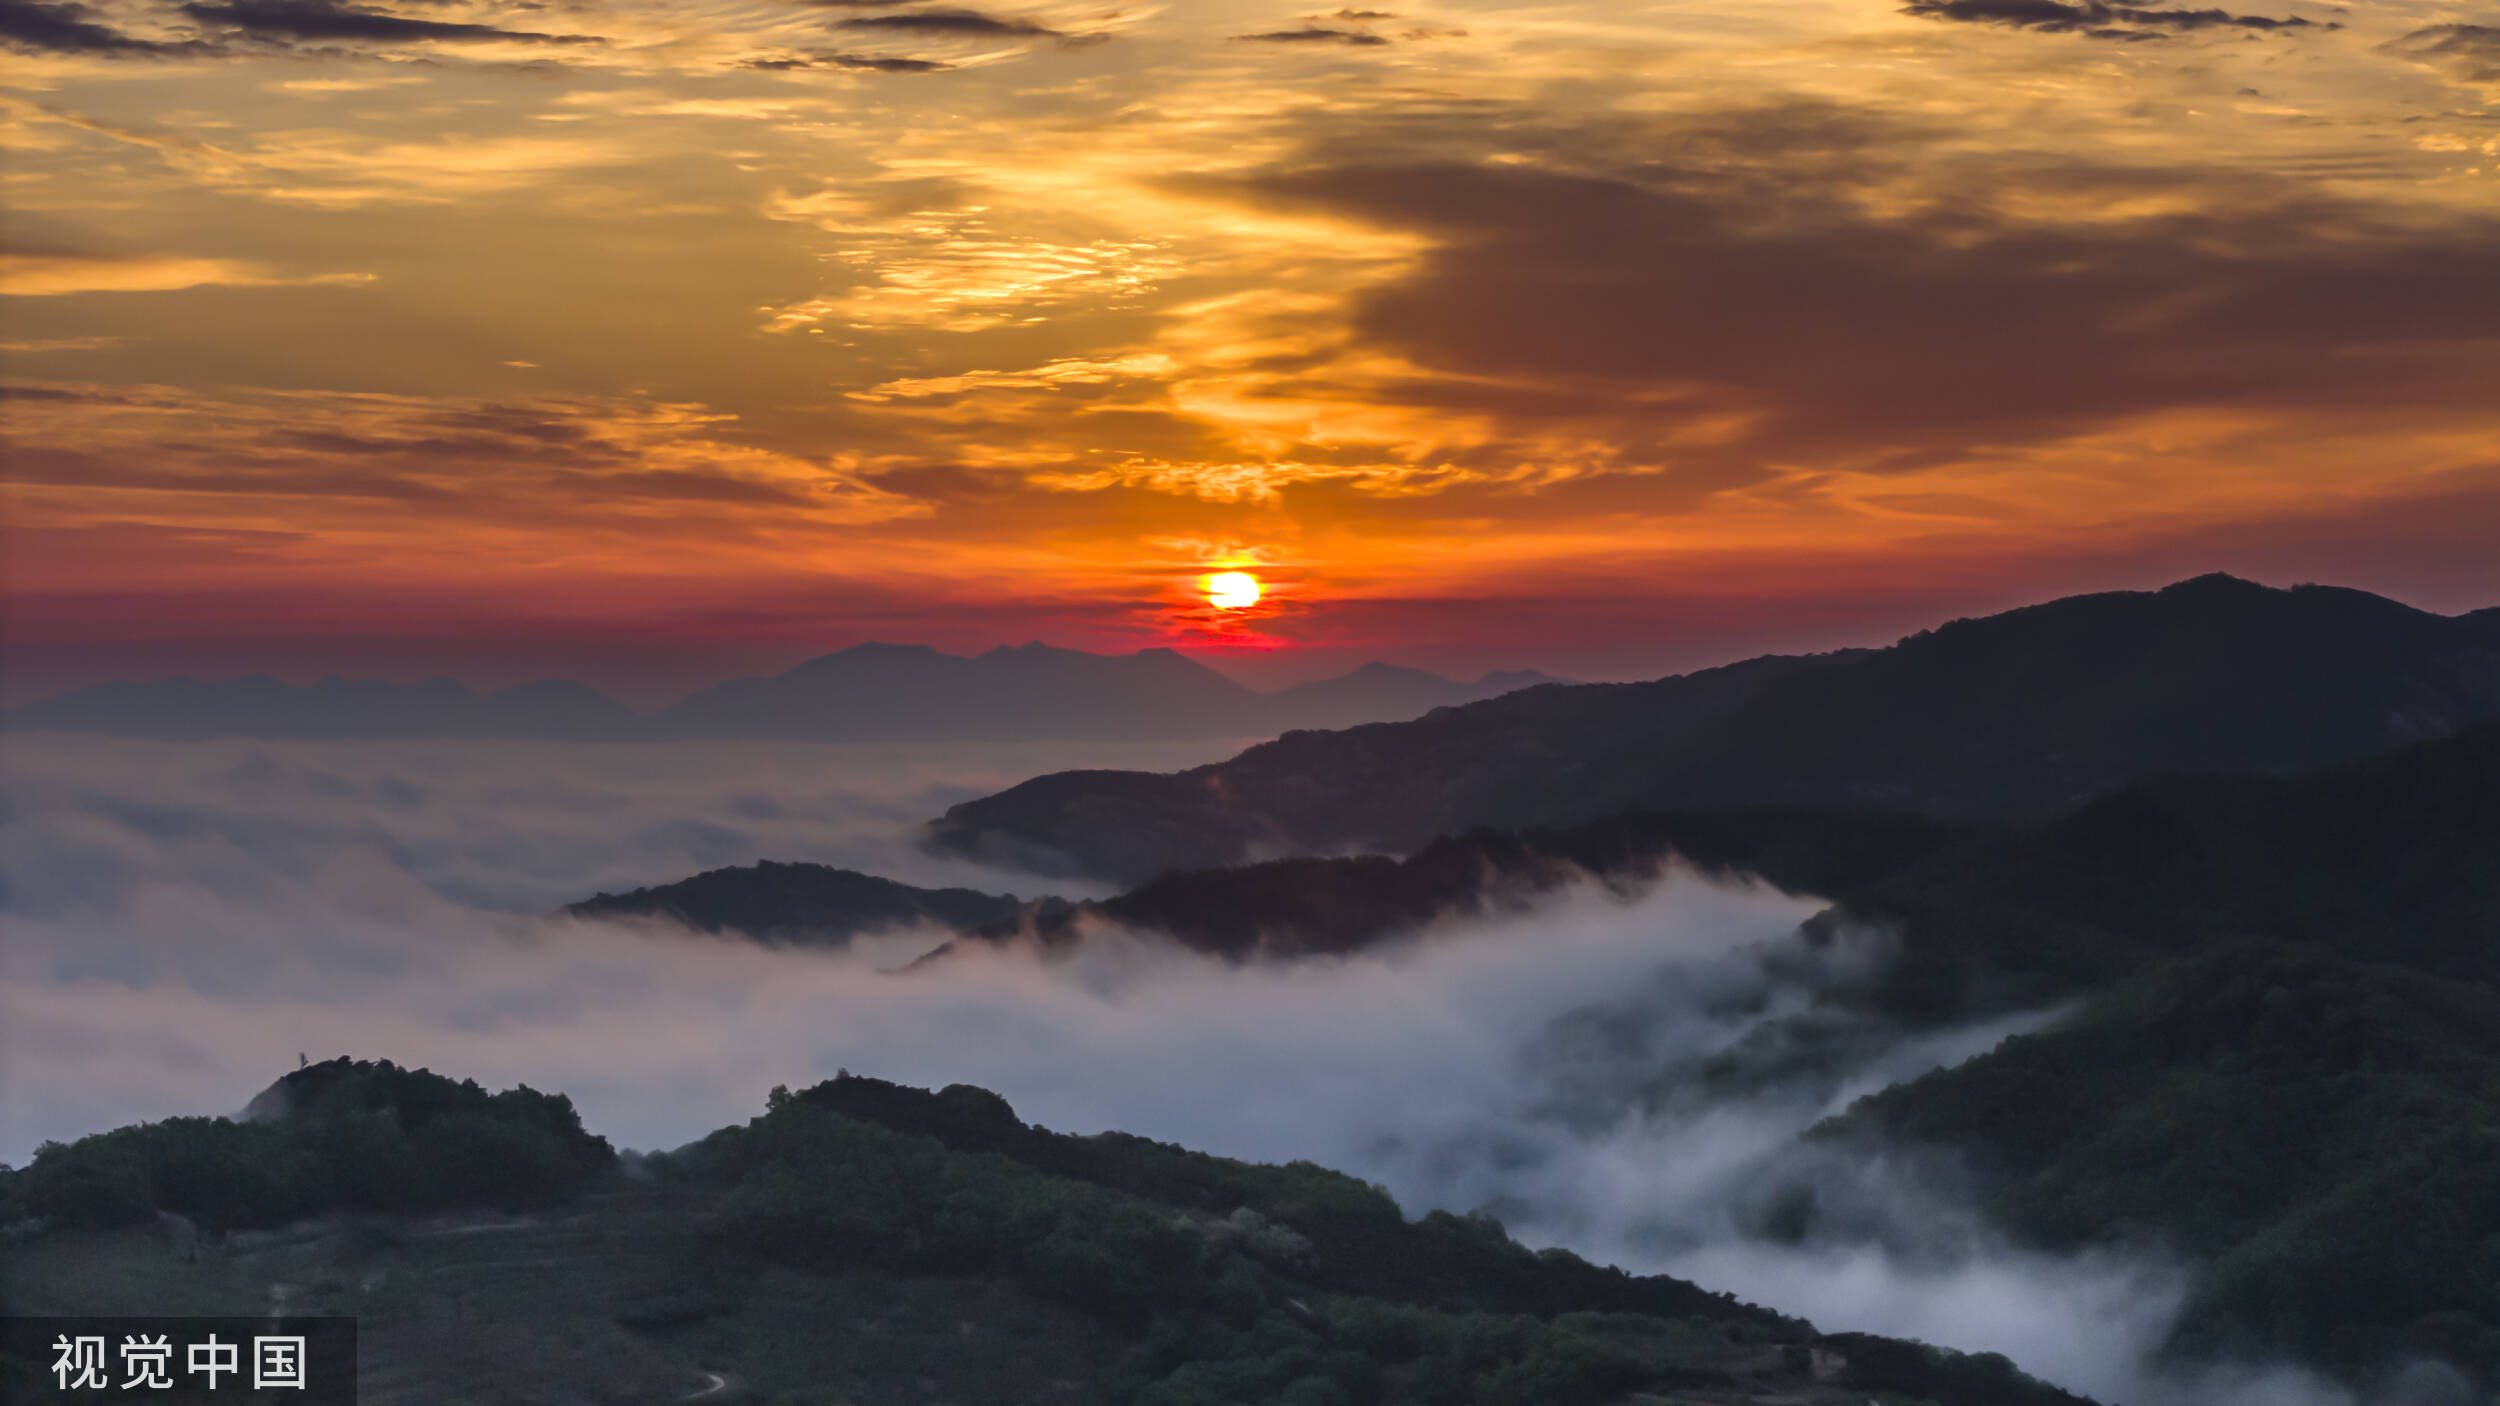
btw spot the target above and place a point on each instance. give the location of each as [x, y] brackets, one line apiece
[1620, 1071]
[2470, 51]
[488, 827]
[959, 271]
[970, 23]
[547, 460]
[865, 62]
[1073, 371]
[34, 345]
[1812, 306]
[331, 19]
[44, 275]
[1314, 34]
[339, 168]
[68, 27]
[326, 87]
[1779, 317]
[2096, 18]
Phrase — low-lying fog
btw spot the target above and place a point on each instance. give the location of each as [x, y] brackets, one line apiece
[186, 918]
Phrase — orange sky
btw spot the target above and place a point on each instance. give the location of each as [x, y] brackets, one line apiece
[645, 340]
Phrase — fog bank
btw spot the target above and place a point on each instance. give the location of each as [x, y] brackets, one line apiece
[1627, 1076]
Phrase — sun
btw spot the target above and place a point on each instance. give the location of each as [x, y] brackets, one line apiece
[1232, 590]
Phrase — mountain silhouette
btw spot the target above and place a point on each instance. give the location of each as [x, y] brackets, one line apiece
[2385, 860]
[1378, 692]
[2026, 713]
[870, 692]
[811, 904]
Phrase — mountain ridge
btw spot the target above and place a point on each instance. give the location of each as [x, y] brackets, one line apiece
[2028, 712]
[2378, 860]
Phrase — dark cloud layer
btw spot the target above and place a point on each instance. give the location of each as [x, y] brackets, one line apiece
[2096, 18]
[862, 62]
[1314, 34]
[329, 19]
[67, 27]
[951, 22]
[2471, 51]
[61, 395]
[533, 456]
[1730, 292]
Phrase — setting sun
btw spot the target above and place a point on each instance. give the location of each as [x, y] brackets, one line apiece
[1232, 590]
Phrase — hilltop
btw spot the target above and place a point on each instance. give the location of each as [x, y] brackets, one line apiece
[799, 903]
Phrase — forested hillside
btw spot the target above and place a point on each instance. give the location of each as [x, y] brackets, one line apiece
[974, 1248]
[2322, 1135]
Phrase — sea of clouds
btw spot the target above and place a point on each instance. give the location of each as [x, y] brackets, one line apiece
[1624, 1075]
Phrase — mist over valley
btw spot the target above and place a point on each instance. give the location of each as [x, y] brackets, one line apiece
[1650, 1040]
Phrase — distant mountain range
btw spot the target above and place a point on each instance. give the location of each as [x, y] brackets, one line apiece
[2026, 713]
[872, 692]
